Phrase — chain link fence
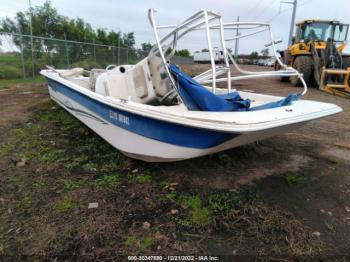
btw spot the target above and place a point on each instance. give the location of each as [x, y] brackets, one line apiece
[24, 56]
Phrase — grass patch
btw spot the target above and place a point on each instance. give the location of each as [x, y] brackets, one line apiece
[70, 184]
[52, 137]
[146, 243]
[130, 241]
[139, 178]
[171, 196]
[143, 179]
[199, 215]
[24, 203]
[40, 184]
[293, 179]
[15, 179]
[142, 243]
[6, 83]
[107, 181]
[64, 205]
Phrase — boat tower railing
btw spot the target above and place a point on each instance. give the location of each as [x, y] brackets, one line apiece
[206, 20]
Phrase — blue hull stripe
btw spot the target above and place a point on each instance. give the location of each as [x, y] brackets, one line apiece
[167, 132]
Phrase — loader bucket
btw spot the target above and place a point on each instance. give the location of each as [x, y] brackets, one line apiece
[336, 81]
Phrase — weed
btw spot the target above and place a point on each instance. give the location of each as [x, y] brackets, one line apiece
[164, 184]
[171, 196]
[141, 178]
[5, 149]
[219, 202]
[293, 179]
[200, 215]
[184, 222]
[24, 203]
[40, 184]
[146, 243]
[14, 179]
[69, 184]
[168, 197]
[64, 205]
[107, 181]
[130, 241]
[330, 227]
[90, 167]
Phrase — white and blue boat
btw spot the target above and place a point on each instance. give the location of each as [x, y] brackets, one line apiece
[155, 112]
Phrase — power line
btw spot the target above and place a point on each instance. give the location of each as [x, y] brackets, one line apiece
[256, 7]
[288, 8]
[264, 10]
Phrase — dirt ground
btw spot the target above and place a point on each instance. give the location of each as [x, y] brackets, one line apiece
[281, 198]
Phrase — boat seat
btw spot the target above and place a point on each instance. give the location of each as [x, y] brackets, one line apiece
[148, 81]
[159, 75]
[140, 81]
[74, 72]
[94, 73]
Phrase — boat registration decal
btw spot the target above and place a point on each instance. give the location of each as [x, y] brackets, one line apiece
[119, 117]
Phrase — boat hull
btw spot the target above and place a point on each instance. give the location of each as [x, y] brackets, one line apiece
[148, 139]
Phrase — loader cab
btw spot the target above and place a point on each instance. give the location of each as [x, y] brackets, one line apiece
[320, 31]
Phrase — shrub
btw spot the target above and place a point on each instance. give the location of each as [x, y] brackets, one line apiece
[10, 72]
[86, 64]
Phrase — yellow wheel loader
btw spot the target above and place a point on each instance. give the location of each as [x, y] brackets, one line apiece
[316, 51]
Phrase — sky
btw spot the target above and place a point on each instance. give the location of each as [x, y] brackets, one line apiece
[131, 16]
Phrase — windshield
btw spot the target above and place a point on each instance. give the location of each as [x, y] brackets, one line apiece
[322, 31]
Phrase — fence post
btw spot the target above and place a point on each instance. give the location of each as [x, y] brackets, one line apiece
[31, 36]
[66, 45]
[113, 53]
[119, 36]
[21, 50]
[95, 51]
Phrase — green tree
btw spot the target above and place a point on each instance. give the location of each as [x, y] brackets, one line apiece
[47, 22]
[145, 49]
[183, 53]
[253, 55]
[265, 52]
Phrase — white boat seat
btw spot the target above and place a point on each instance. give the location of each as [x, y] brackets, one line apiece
[140, 82]
[94, 73]
[160, 79]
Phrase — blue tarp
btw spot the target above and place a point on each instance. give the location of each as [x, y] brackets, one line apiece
[198, 98]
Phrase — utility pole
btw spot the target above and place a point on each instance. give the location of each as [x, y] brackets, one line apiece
[295, 4]
[66, 47]
[119, 34]
[31, 34]
[237, 40]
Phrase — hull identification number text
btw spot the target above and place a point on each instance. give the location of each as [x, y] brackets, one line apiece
[119, 117]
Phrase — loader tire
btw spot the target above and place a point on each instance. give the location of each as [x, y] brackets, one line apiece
[346, 62]
[277, 68]
[304, 65]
